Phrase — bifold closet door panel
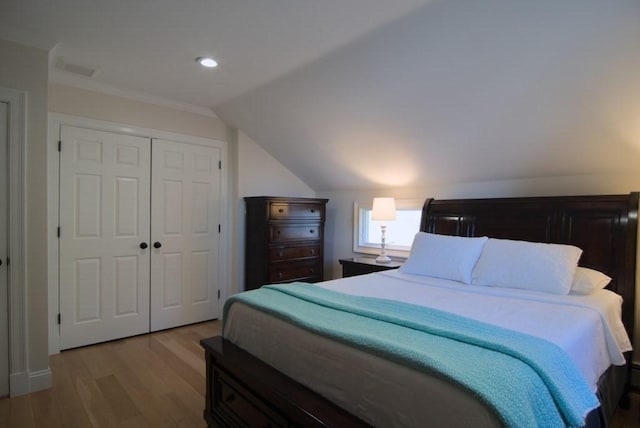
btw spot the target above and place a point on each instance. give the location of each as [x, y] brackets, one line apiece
[185, 219]
[104, 220]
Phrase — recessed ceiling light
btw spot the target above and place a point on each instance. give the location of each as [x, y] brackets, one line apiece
[206, 62]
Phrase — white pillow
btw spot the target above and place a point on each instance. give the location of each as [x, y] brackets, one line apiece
[443, 256]
[586, 281]
[533, 266]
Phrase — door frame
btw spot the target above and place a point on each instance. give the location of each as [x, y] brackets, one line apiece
[56, 120]
[19, 377]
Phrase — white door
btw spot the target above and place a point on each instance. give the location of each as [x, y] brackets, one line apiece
[104, 221]
[4, 271]
[185, 218]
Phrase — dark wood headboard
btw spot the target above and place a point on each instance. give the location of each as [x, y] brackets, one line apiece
[604, 227]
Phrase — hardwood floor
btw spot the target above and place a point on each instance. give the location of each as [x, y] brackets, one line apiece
[628, 418]
[154, 380]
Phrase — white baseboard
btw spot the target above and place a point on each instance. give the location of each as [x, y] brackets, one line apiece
[24, 383]
[39, 380]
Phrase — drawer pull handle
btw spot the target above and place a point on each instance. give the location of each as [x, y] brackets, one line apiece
[312, 252]
[311, 231]
[280, 275]
[311, 271]
[230, 398]
[280, 254]
[312, 211]
[280, 210]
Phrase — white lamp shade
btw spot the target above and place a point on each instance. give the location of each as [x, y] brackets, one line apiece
[383, 209]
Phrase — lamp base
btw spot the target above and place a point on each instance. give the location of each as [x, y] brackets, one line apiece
[383, 259]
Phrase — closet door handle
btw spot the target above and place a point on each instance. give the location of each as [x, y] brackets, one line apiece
[144, 245]
[157, 244]
[0, 262]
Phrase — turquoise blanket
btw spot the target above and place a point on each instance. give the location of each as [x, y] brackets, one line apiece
[529, 382]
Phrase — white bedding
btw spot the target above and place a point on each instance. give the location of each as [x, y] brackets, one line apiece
[389, 394]
[378, 391]
[588, 328]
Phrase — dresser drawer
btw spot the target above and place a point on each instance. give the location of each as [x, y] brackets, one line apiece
[282, 211]
[284, 233]
[243, 408]
[293, 253]
[309, 271]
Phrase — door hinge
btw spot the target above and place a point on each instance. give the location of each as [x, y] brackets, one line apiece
[59, 319]
[59, 145]
[218, 294]
[58, 231]
[219, 164]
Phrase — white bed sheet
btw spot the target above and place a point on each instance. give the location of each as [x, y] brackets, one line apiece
[588, 328]
[377, 390]
[389, 394]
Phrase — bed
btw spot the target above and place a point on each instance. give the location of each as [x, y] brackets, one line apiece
[269, 372]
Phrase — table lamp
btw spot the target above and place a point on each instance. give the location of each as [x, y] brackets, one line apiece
[384, 209]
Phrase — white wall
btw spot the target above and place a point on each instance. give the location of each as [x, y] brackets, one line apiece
[460, 91]
[339, 230]
[97, 105]
[259, 174]
[25, 68]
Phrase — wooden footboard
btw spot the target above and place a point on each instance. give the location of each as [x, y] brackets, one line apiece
[244, 391]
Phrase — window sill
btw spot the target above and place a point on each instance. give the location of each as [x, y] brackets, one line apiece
[393, 254]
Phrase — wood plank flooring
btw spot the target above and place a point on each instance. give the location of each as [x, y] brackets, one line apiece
[153, 380]
[628, 418]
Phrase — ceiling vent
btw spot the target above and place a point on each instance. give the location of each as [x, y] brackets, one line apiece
[79, 70]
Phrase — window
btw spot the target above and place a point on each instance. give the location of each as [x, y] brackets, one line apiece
[399, 233]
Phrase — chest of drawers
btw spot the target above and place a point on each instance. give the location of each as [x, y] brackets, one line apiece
[284, 240]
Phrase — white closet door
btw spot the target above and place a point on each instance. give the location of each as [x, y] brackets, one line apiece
[4, 283]
[104, 218]
[185, 217]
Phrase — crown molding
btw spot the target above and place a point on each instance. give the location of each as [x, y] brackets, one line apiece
[57, 76]
[26, 38]
[64, 78]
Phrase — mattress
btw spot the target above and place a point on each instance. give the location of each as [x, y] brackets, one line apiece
[385, 393]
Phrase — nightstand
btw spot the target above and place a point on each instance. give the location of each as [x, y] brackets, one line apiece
[363, 265]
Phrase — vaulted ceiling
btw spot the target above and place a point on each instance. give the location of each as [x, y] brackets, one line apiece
[374, 93]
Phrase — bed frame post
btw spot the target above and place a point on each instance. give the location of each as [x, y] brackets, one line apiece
[425, 209]
[631, 252]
